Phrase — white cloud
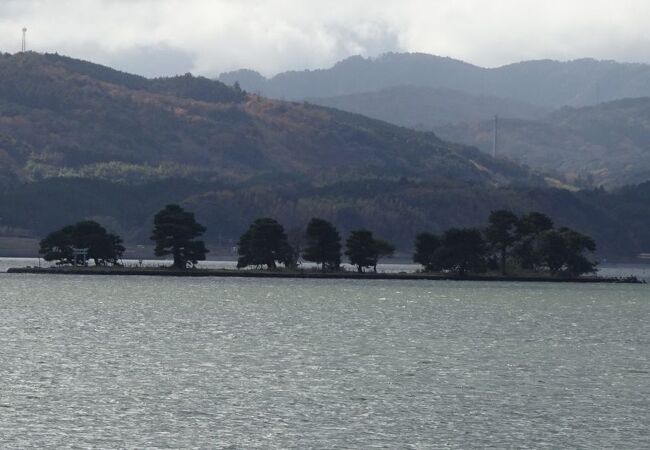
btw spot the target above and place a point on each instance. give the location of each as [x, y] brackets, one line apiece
[210, 36]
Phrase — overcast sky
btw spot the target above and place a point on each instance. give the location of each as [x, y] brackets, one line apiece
[166, 37]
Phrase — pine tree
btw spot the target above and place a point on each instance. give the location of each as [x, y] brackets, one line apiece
[175, 231]
[323, 244]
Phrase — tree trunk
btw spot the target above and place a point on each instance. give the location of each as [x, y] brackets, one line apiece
[503, 261]
[178, 262]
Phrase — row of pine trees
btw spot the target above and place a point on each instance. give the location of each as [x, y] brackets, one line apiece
[509, 243]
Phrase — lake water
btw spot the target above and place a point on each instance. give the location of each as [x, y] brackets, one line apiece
[104, 362]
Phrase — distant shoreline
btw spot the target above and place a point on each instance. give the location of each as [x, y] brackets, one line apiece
[225, 273]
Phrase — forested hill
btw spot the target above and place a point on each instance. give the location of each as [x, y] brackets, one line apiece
[606, 144]
[78, 140]
[63, 117]
[544, 83]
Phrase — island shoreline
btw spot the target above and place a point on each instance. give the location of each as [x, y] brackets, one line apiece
[224, 273]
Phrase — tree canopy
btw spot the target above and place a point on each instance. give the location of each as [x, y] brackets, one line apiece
[383, 249]
[563, 252]
[501, 234]
[323, 244]
[531, 242]
[103, 248]
[463, 250]
[526, 251]
[363, 250]
[175, 232]
[265, 243]
[426, 245]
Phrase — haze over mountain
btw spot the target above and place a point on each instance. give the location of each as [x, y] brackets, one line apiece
[544, 83]
[78, 140]
[592, 146]
[607, 144]
[424, 108]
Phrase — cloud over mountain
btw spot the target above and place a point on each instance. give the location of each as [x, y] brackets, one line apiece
[211, 36]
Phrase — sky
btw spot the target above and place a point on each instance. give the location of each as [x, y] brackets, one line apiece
[207, 37]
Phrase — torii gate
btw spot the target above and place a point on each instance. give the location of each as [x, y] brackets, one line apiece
[80, 252]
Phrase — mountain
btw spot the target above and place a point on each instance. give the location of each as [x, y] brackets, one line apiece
[603, 144]
[78, 140]
[545, 83]
[606, 144]
[424, 108]
[62, 117]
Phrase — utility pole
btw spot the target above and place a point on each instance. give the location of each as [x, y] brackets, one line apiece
[496, 136]
[23, 47]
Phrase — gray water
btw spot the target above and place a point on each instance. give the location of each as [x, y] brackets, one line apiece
[104, 362]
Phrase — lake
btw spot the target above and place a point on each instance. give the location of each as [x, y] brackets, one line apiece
[109, 362]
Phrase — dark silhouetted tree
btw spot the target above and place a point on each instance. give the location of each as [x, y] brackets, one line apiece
[577, 262]
[383, 249]
[175, 232]
[57, 246]
[462, 251]
[526, 250]
[103, 248]
[578, 244]
[426, 245]
[534, 223]
[361, 249]
[553, 250]
[323, 244]
[501, 234]
[563, 252]
[264, 244]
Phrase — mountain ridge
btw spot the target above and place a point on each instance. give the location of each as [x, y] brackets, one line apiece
[423, 108]
[606, 144]
[545, 83]
[583, 137]
[56, 117]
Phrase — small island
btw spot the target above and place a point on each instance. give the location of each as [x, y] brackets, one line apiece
[511, 248]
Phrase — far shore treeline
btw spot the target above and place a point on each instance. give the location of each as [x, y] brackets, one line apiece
[509, 244]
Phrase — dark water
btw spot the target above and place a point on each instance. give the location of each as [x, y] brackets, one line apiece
[108, 362]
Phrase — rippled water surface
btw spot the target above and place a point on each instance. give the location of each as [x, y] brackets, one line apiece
[108, 362]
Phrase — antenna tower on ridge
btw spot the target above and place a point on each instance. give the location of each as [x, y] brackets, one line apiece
[23, 47]
[496, 136]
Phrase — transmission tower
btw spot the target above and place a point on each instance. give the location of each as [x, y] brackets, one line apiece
[495, 146]
[23, 47]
